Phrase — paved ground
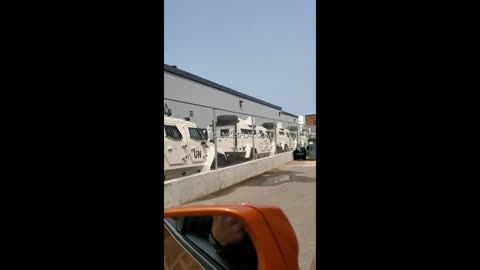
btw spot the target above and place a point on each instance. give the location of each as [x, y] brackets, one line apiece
[290, 187]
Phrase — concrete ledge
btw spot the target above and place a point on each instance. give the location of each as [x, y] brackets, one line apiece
[186, 189]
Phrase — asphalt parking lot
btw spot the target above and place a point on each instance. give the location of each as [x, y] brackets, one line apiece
[291, 187]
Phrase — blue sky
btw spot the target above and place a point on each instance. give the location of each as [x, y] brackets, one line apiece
[263, 48]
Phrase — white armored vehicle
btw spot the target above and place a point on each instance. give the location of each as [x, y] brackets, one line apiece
[293, 130]
[303, 140]
[284, 140]
[234, 137]
[186, 150]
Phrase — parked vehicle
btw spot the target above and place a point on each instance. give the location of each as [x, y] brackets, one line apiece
[235, 139]
[303, 140]
[186, 150]
[300, 153]
[312, 148]
[207, 237]
[293, 131]
[284, 140]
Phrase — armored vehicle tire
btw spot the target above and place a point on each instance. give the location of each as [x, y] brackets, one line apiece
[226, 120]
[269, 125]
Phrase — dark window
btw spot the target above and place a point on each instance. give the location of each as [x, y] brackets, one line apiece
[247, 131]
[224, 132]
[281, 133]
[173, 132]
[195, 133]
[269, 134]
[204, 132]
[314, 122]
[262, 135]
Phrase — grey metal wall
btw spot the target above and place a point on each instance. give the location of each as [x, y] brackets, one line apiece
[180, 88]
[288, 118]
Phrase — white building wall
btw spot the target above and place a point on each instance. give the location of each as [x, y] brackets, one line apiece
[288, 118]
[183, 89]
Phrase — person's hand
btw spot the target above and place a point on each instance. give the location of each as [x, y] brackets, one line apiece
[226, 230]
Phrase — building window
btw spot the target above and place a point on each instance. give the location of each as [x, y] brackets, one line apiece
[315, 122]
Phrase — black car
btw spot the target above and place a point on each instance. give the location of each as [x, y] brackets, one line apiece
[300, 153]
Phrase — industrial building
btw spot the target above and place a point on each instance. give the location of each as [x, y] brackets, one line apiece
[311, 120]
[191, 89]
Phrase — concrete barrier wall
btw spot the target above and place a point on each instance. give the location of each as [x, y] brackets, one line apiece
[189, 188]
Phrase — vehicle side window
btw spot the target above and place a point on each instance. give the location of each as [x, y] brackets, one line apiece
[173, 132]
[281, 133]
[262, 135]
[247, 131]
[224, 132]
[195, 133]
[204, 133]
[237, 256]
[269, 134]
[176, 222]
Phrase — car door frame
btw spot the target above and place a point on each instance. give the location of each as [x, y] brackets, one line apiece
[191, 249]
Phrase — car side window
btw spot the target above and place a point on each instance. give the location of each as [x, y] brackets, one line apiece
[195, 133]
[204, 133]
[197, 230]
[224, 132]
[247, 131]
[173, 132]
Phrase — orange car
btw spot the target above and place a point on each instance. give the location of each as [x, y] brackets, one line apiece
[261, 237]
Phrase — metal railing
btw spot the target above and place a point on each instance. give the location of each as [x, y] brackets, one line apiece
[200, 138]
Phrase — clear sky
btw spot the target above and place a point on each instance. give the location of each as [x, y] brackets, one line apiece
[263, 48]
